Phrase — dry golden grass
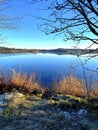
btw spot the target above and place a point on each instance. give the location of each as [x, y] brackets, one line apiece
[70, 85]
[21, 82]
[94, 92]
[28, 84]
[24, 82]
[73, 86]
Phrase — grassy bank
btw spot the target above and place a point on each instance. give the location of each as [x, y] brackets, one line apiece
[28, 84]
[19, 81]
[32, 107]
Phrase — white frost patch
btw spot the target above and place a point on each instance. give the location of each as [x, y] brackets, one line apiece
[82, 112]
[66, 114]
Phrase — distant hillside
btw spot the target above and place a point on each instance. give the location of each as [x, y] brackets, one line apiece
[5, 50]
[59, 51]
[62, 51]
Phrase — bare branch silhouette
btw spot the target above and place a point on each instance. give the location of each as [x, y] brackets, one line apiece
[6, 20]
[76, 19]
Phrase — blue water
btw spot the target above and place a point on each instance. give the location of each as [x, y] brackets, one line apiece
[49, 67]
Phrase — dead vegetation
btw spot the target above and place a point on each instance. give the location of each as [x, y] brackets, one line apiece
[28, 84]
[70, 85]
[21, 82]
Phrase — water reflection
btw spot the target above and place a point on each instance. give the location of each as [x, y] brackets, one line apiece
[49, 66]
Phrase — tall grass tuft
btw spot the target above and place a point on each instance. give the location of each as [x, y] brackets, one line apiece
[25, 83]
[4, 83]
[94, 92]
[70, 85]
[28, 84]
[76, 87]
[21, 82]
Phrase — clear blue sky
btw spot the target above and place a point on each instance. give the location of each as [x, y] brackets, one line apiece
[28, 35]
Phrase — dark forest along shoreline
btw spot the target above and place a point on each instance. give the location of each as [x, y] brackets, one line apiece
[58, 51]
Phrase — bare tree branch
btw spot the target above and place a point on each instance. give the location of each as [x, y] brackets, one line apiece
[77, 20]
[7, 21]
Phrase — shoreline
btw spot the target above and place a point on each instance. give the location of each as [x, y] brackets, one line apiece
[58, 51]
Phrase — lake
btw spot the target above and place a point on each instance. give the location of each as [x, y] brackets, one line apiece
[49, 67]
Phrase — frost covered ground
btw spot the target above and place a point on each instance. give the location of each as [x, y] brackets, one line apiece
[55, 112]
